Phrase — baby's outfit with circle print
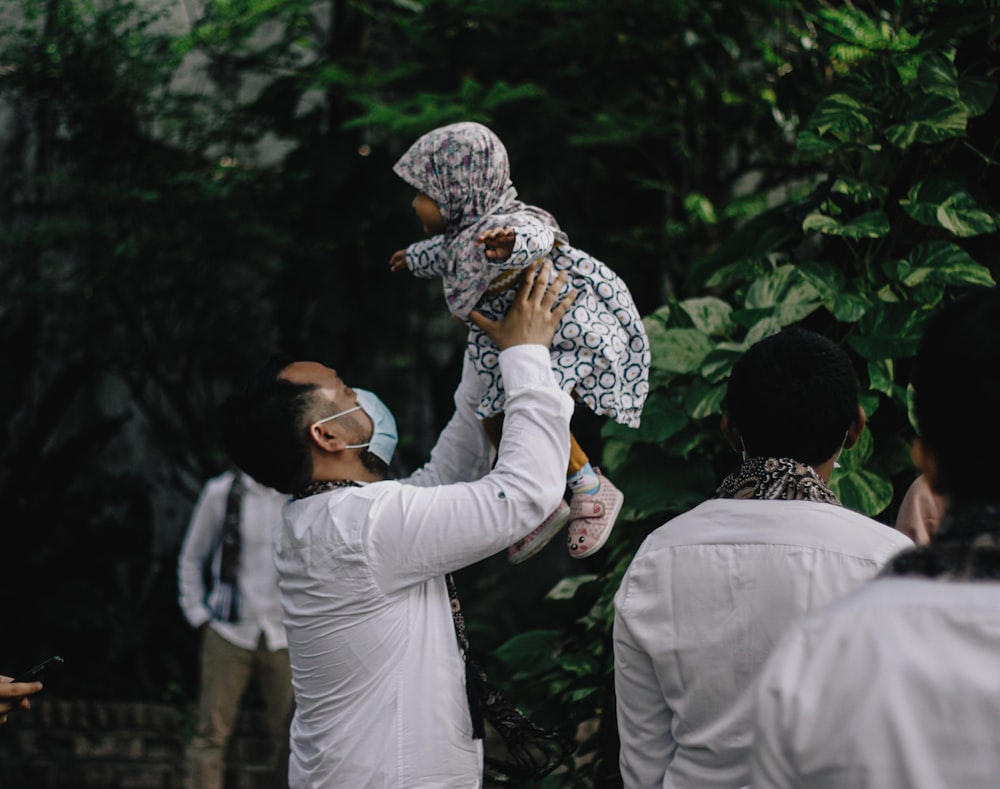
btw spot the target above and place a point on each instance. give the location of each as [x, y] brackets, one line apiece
[600, 352]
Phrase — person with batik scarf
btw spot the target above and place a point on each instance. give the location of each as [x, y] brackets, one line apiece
[709, 593]
[897, 684]
[481, 238]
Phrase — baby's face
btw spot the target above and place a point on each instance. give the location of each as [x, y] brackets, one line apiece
[428, 213]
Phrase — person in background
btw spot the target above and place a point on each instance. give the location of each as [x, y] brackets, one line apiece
[921, 511]
[710, 592]
[897, 685]
[229, 593]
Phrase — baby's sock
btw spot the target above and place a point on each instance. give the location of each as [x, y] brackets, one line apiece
[584, 481]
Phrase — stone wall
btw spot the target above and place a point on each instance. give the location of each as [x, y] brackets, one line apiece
[60, 744]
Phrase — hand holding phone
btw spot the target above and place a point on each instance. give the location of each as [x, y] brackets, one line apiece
[34, 674]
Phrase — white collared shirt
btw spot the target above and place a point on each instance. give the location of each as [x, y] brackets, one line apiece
[378, 676]
[699, 609]
[895, 687]
[260, 601]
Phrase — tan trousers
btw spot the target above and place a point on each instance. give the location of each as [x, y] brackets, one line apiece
[225, 674]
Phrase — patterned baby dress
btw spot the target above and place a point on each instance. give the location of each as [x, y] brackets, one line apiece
[600, 352]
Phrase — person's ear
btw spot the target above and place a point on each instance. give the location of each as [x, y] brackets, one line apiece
[326, 438]
[731, 432]
[856, 428]
[925, 460]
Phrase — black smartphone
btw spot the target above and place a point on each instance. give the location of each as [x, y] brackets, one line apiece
[34, 674]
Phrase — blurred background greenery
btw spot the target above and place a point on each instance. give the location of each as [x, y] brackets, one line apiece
[187, 186]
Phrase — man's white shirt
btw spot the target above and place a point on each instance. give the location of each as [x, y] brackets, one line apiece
[895, 687]
[377, 671]
[260, 602]
[701, 606]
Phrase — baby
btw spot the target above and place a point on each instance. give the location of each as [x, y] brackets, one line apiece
[481, 239]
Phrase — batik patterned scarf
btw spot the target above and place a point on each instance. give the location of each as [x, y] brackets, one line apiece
[776, 478]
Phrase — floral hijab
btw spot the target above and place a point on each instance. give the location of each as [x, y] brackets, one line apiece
[463, 167]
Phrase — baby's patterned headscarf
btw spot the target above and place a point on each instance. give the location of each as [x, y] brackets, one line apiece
[464, 168]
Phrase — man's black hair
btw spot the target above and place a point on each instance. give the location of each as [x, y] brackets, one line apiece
[956, 393]
[262, 428]
[794, 395]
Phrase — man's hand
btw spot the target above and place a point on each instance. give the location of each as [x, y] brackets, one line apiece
[535, 313]
[499, 242]
[398, 260]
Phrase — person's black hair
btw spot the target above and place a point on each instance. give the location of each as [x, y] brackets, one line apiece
[262, 428]
[793, 395]
[956, 394]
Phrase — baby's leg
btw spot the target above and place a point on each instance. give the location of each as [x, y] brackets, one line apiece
[581, 476]
[493, 425]
[540, 537]
[594, 506]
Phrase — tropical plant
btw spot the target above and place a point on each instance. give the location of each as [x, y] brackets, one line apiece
[894, 209]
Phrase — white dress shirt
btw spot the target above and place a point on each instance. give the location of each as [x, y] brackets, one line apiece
[260, 600]
[703, 602]
[378, 675]
[895, 687]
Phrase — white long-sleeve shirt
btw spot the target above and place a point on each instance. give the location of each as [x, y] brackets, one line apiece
[699, 609]
[378, 675]
[260, 600]
[895, 687]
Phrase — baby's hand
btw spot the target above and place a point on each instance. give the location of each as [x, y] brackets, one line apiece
[499, 242]
[398, 260]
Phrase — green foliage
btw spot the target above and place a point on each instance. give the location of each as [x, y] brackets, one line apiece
[903, 184]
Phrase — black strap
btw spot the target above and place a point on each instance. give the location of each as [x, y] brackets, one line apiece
[227, 593]
[535, 751]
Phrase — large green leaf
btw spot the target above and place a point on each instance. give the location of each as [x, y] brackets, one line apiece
[535, 648]
[761, 329]
[944, 203]
[720, 362]
[851, 27]
[704, 399]
[842, 116]
[679, 350]
[873, 224]
[849, 307]
[940, 263]
[880, 375]
[978, 94]
[889, 331]
[937, 75]
[662, 418]
[709, 314]
[781, 287]
[962, 215]
[929, 120]
[862, 491]
[858, 488]
[655, 484]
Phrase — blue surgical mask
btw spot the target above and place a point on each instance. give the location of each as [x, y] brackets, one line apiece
[384, 436]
